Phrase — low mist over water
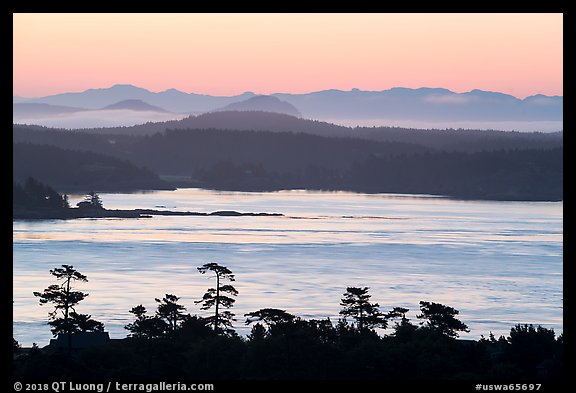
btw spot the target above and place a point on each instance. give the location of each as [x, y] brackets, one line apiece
[521, 126]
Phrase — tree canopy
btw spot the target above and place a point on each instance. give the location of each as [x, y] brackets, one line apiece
[269, 316]
[33, 194]
[356, 304]
[441, 318]
[64, 319]
[91, 201]
[170, 311]
[217, 298]
[170, 343]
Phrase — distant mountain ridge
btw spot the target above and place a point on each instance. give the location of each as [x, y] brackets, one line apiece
[432, 105]
[171, 100]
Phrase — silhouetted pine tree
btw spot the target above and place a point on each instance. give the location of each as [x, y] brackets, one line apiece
[65, 299]
[215, 297]
[357, 305]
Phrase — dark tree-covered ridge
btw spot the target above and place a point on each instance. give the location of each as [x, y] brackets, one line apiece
[516, 166]
[80, 170]
[444, 139]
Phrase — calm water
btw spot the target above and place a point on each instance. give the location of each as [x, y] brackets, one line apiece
[499, 263]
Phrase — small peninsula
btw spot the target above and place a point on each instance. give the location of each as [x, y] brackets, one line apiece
[36, 201]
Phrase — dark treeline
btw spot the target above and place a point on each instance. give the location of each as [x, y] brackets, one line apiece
[497, 175]
[268, 161]
[443, 139]
[32, 194]
[447, 139]
[307, 349]
[80, 170]
[191, 150]
[180, 151]
[32, 199]
[171, 343]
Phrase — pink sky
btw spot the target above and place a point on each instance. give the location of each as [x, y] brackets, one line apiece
[227, 54]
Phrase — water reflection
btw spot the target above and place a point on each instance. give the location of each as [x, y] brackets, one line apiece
[498, 263]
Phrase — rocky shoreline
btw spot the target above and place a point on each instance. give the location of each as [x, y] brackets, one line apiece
[71, 213]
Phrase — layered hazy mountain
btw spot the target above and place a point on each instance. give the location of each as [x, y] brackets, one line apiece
[413, 108]
[262, 103]
[432, 108]
[134, 105]
[171, 100]
[123, 113]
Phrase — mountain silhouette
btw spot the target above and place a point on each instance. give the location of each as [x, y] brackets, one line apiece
[262, 103]
[424, 104]
[171, 100]
[134, 105]
[238, 121]
[421, 108]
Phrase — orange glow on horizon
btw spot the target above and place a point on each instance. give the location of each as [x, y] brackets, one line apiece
[227, 54]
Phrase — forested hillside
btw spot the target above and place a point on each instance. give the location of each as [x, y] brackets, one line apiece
[445, 139]
[72, 170]
[462, 164]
